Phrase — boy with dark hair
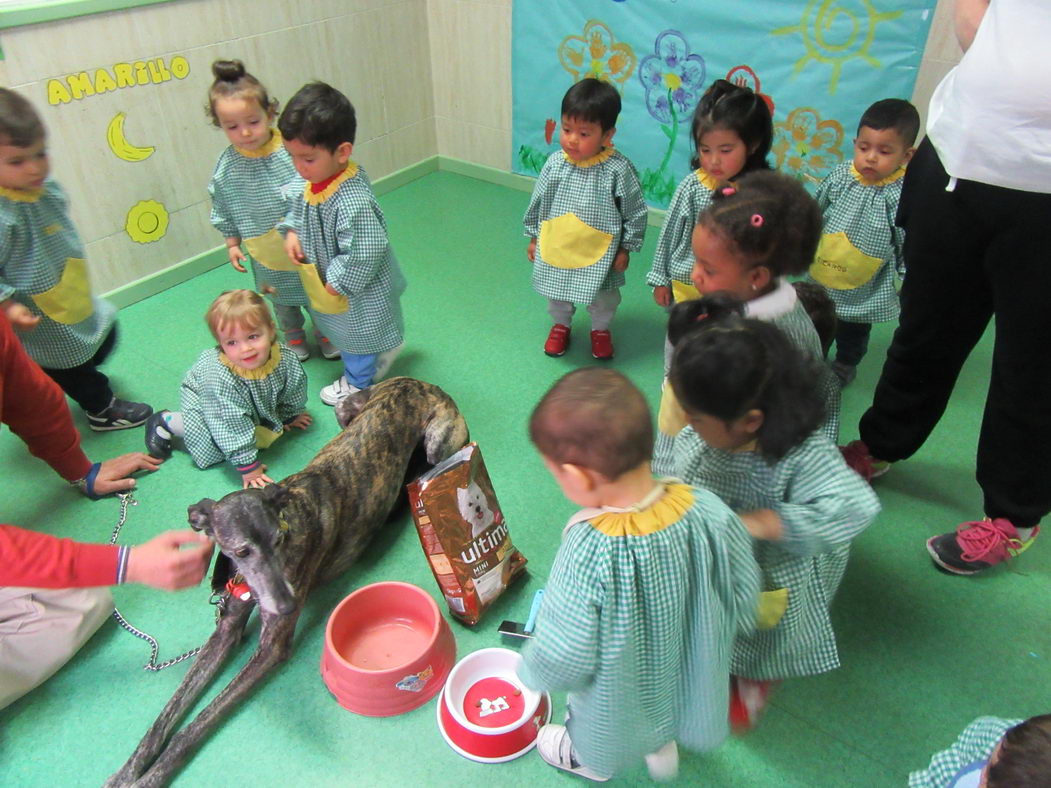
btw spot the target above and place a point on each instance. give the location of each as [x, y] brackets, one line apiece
[339, 236]
[896, 114]
[861, 248]
[586, 215]
[649, 587]
[44, 285]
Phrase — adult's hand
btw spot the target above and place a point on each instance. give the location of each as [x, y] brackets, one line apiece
[115, 475]
[163, 563]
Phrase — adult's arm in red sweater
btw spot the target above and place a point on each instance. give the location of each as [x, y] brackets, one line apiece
[35, 409]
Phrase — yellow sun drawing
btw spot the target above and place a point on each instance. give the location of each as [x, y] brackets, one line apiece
[835, 31]
[147, 222]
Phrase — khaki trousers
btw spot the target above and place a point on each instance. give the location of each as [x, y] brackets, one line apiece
[41, 629]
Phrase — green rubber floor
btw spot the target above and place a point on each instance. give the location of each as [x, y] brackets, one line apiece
[923, 653]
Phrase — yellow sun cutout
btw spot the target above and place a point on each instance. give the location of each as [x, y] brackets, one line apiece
[147, 222]
[835, 31]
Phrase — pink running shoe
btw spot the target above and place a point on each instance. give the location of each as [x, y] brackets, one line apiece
[978, 545]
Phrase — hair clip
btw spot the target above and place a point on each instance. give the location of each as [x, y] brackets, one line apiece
[757, 220]
[728, 190]
[700, 317]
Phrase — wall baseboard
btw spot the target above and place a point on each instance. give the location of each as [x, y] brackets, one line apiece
[183, 271]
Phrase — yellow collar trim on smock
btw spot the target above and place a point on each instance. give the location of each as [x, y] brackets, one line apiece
[708, 181]
[332, 188]
[896, 175]
[22, 195]
[665, 511]
[598, 158]
[254, 374]
[264, 150]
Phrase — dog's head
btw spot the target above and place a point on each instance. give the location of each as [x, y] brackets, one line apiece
[248, 528]
[474, 508]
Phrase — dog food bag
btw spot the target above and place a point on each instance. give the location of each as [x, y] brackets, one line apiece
[463, 533]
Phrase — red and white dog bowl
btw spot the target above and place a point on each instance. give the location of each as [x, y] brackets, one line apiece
[484, 711]
[388, 649]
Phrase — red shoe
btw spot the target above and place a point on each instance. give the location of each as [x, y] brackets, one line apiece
[856, 454]
[557, 340]
[602, 345]
[748, 698]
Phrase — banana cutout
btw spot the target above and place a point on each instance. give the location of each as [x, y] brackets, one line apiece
[120, 146]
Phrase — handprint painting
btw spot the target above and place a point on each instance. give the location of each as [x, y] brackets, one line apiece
[817, 63]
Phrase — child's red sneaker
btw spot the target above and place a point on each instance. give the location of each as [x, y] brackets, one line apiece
[748, 698]
[557, 340]
[602, 345]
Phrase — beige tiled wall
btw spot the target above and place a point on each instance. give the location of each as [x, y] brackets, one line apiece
[375, 51]
[939, 56]
[426, 76]
[471, 68]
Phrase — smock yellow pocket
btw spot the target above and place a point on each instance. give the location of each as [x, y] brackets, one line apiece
[264, 436]
[671, 418]
[683, 292]
[772, 607]
[567, 242]
[841, 265]
[320, 299]
[69, 301]
[269, 251]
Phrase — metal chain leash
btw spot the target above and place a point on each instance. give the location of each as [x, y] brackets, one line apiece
[126, 500]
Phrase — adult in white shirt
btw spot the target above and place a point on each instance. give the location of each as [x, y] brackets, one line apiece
[976, 206]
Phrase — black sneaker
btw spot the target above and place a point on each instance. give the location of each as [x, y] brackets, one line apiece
[845, 372]
[156, 444]
[120, 415]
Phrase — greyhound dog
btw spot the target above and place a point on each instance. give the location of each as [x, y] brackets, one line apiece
[288, 538]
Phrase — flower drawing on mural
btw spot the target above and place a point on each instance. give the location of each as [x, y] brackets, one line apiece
[837, 31]
[806, 146]
[673, 78]
[674, 81]
[597, 54]
[743, 76]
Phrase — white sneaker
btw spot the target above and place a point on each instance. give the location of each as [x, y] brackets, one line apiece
[338, 390]
[384, 361]
[664, 764]
[555, 747]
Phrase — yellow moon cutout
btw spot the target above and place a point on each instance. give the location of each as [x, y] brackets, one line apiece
[120, 146]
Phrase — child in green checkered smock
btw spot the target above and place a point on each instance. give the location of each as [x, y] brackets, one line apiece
[860, 255]
[753, 235]
[337, 232]
[239, 396]
[731, 134]
[251, 189]
[45, 287]
[586, 216]
[753, 402]
[649, 587]
[993, 752]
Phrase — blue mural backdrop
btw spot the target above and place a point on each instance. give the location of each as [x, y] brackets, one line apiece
[817, 63]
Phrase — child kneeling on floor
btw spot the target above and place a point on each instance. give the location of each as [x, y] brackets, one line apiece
[239, 396]
[650, 585]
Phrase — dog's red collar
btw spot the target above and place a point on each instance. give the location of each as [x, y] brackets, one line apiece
[237, 587]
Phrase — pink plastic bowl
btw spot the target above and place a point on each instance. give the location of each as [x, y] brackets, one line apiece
[387, 650]
[481, 716]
